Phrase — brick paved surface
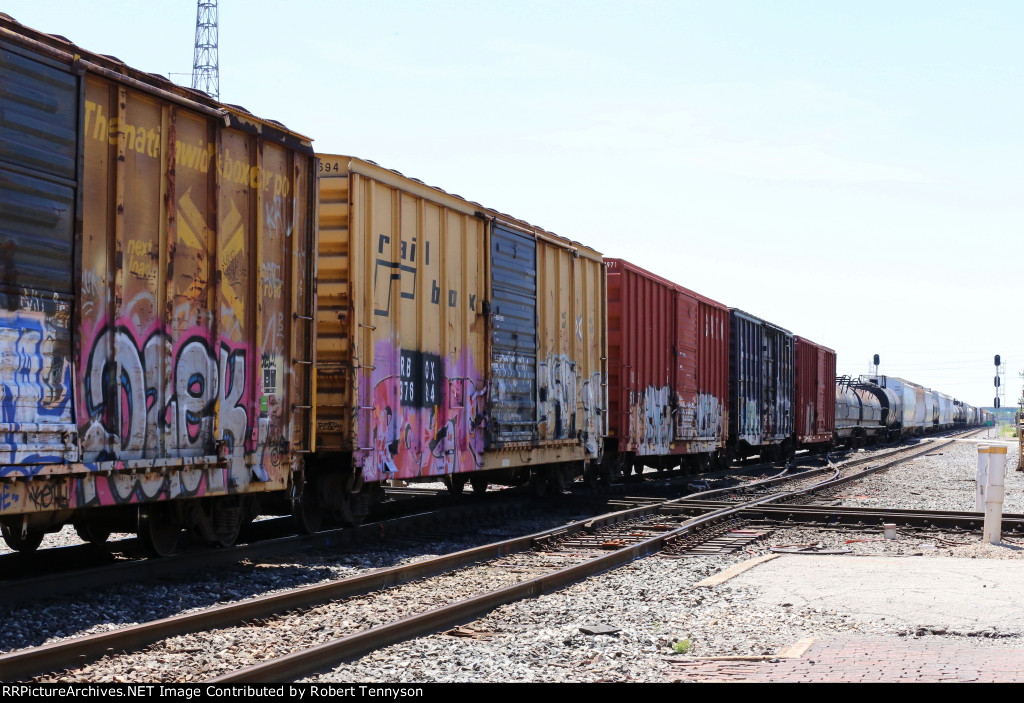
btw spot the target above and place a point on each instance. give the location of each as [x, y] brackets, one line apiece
[870, 659]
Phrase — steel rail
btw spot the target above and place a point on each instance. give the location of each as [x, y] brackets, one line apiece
[78, 651]
[313, 659]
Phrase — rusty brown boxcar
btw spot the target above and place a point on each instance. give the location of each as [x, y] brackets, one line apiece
[156, 336]
[815, 395]
[454, 341]
[668, 371]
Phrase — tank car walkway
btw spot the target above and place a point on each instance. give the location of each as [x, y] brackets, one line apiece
[869, 660]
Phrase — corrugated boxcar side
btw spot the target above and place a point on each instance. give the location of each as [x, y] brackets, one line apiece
[746, 385]
[668, 365]
[815, 391]
[712, 413]
[401, 368]
[38, 202]
[641, 365]
[567, 407]
[451, 339]
[195, 270]
[761, 379]
[192, 366]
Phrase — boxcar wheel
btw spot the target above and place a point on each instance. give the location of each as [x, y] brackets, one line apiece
[91, 533]
[455, 483]
[158, 535]
[478, 482]
[227, 521]
[307, 514]
[29, 543]
[560, 478]
[539, 482]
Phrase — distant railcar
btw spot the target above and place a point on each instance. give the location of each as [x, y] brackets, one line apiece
[761, 387]
[668, 372]
[814, 394]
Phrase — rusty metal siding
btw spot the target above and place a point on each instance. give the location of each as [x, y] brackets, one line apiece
[192, 233]
[514, 387]
[192, 262]
[711, 419]
[814, 413]
[642, 369]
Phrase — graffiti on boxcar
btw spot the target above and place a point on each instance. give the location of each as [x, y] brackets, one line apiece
[422, 422]
[557, 393]
[35, 378]
[48, 495]
[710, 415]
[8, 496]
[35, 372]
[749, 421]
[590, 404]
[706, 415]
[133, 410]
[651, 426]
[271, 283]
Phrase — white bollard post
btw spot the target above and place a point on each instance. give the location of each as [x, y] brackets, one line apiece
[994, 495]
[980, 478]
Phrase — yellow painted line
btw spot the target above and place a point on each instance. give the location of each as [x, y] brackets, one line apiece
[734, 570]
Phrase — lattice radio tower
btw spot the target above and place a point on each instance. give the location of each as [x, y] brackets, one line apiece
[205, 65]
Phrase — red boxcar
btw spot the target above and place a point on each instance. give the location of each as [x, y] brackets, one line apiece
[815, 416]
[668, 371]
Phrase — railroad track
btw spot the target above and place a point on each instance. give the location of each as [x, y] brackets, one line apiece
[65, 570]
[524, 567]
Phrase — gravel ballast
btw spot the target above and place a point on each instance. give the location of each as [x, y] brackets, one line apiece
[653, 605]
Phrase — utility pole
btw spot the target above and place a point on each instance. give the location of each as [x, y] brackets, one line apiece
[206, 65]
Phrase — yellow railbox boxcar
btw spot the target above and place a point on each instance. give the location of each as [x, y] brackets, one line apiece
[452, 339]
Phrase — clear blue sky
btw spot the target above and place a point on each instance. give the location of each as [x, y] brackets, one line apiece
[850, 171]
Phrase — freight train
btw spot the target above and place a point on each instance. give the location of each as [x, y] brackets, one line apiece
[202, 320]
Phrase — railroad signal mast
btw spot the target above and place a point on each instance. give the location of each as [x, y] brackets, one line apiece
[206, 63]
[1018, 426]
[998, 382]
